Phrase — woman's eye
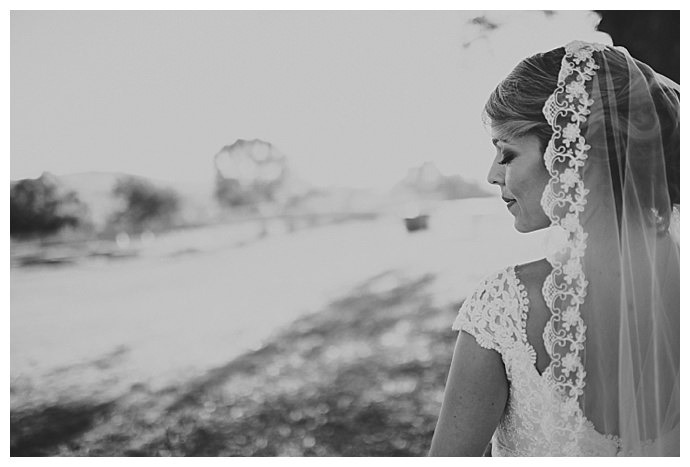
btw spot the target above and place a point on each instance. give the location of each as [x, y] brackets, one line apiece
[507, 157]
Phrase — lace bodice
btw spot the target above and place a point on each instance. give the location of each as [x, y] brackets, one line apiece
[537, 420]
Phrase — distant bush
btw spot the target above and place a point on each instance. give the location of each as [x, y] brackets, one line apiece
[145, 206]
[41, 207]
[250, 174]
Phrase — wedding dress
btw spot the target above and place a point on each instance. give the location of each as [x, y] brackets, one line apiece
[613, 293]
[534, 422]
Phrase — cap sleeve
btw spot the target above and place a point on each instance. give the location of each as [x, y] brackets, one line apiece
[490, 313]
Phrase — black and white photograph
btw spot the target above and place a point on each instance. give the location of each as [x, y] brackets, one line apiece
[303, 232]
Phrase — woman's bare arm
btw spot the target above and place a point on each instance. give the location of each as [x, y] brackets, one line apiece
[474, 400]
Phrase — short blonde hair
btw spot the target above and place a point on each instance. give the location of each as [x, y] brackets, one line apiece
[514, 108]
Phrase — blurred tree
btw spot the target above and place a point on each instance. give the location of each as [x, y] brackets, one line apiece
[42, 206]
[250, 174]
[652, 37]
[145, 206]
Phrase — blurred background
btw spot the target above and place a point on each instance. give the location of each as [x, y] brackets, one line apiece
[248, 233]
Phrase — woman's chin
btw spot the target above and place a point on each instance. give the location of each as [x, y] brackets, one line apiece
[521, 228]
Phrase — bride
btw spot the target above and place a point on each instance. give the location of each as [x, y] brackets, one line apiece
[577, 354]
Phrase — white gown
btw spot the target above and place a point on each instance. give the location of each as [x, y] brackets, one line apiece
[534, 422]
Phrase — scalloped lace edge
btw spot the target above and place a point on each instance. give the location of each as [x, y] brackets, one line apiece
[565, 288]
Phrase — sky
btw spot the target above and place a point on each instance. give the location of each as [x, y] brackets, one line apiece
[352, 98]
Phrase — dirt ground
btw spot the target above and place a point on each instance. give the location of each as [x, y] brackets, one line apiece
[363, 377]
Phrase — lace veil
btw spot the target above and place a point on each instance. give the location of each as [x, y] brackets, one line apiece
[614, 290]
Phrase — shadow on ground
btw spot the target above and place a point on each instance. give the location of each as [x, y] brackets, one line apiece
[363, 377]
[36, 432]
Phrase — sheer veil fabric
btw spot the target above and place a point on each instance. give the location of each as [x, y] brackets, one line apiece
[614, 290]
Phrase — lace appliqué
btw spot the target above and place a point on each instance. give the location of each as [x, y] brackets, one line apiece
[496, 314]
[563, 201]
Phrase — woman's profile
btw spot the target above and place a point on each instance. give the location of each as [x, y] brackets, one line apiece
[577, 354]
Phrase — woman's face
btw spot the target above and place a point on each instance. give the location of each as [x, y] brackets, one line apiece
[518, 169]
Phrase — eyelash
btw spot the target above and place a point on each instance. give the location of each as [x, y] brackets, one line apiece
[508, 156]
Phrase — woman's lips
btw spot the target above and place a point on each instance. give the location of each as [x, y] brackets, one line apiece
[509, 201]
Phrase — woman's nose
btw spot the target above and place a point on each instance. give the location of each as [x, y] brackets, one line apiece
[496, 175]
